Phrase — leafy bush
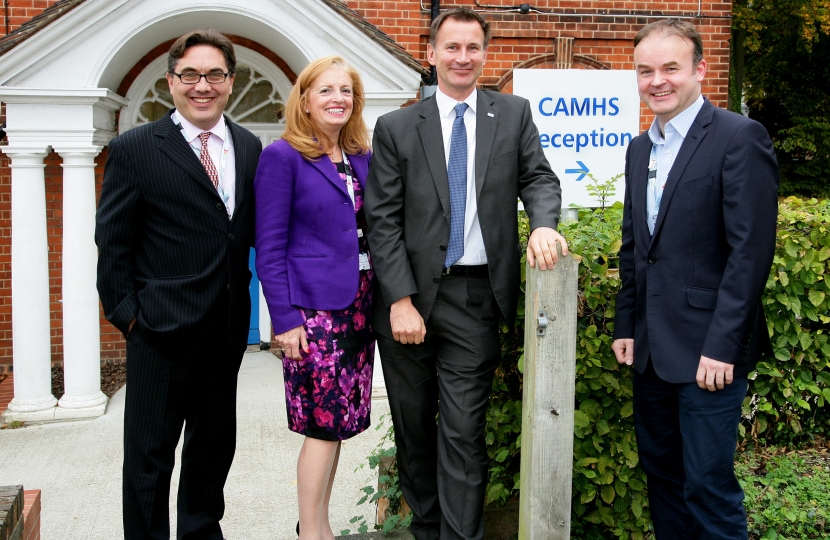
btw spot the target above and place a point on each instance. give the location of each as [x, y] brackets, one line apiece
[608, 486]
[789, 393]
[791, 390]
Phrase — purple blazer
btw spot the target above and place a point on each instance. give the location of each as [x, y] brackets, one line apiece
[306, 244]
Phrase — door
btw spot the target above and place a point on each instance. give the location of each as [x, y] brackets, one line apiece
[253, 290]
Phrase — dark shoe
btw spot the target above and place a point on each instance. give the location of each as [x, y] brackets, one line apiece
[298, 529]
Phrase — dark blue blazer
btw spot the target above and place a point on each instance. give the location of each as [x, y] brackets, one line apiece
[694, 287]
[306, 243]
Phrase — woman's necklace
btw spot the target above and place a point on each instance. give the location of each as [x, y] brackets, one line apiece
[335, 155]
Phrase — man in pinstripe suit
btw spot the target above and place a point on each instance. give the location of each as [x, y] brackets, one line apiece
[173, 228]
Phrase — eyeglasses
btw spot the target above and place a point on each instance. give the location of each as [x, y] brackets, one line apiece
[215, 77]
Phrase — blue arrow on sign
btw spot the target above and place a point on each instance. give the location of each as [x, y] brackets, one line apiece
[581, 171]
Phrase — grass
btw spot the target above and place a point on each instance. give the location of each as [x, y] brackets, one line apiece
[787, 492]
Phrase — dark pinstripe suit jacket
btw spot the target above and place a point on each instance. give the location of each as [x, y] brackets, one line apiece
[166, 248]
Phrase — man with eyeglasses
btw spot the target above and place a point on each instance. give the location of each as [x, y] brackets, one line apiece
[174, 227]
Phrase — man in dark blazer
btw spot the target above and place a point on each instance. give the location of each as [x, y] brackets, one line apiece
[444, 241]
[174, 228]
[697, 244]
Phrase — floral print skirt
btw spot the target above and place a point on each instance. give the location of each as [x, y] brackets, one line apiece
[328, 392]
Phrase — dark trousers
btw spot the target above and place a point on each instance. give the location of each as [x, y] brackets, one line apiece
[443, 466]
[196, 390]
[686, 437]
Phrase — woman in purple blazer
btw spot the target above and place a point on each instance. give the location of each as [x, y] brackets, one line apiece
[314, 264]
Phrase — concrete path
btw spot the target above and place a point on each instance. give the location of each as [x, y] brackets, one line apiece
[77, 465]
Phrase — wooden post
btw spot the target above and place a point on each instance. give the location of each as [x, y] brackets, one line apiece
[548, 402]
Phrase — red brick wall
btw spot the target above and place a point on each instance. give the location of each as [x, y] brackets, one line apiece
[31, 515]
[20, 11]
[516, 39]
[113, 346]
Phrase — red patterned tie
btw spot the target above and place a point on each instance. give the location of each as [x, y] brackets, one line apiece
[207, 163]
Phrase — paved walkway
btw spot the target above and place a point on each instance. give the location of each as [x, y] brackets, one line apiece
[77, 465]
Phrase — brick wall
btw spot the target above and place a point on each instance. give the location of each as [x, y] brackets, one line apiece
[31, 514]
[21, 11]
[602, 31]
[518, 38]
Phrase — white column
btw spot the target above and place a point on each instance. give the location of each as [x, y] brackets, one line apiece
[264, 319]
[81, 324]
[32, 360]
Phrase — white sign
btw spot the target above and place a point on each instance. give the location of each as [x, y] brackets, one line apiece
[585, 118]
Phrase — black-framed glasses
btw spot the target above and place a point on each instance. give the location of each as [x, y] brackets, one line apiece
[191, 77]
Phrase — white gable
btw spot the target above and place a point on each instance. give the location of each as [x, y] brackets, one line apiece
[95, 45]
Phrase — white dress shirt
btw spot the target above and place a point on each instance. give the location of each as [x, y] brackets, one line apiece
[227, 178]
[667, 147]
[474, 252]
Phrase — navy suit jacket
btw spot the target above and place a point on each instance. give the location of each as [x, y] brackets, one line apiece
[306, 243]
[694, 287]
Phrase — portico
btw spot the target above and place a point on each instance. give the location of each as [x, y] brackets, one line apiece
[60, 88]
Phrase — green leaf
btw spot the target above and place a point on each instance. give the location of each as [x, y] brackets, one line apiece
[805, 340]
[607, 493]
[816, 297]
[581, 419]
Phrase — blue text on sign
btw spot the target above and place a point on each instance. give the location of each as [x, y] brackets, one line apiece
[584, 140]
[587, 107]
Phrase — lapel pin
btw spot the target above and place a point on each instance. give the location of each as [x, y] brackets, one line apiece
[490, 114]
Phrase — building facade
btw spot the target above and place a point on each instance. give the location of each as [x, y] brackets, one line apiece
[74, 73]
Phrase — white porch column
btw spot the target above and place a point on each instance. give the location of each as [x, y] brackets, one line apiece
[77, 123]
[81, 324]
[33, 399]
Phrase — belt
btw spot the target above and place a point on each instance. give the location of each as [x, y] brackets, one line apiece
[479, 270]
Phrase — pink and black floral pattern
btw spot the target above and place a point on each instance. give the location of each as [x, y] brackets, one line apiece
[328, 392]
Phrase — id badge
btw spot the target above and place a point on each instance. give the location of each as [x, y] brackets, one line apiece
[364, 262]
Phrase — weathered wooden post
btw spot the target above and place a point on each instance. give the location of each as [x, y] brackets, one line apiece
[548, 402]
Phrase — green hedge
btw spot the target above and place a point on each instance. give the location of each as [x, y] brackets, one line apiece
[790, 392]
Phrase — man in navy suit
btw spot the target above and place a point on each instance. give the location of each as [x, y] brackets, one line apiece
[697, 244]
[174, 229]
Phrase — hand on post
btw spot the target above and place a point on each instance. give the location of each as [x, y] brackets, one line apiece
[541, 246]
[292, 341]
[624, 350]
[407, 324]
[713, 375]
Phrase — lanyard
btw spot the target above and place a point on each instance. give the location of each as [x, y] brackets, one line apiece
[363, 260]
[656, 192]
[349, 177]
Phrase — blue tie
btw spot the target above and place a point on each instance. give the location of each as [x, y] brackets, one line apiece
[457, 176]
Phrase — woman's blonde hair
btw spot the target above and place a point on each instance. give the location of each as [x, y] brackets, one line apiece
[299, 129]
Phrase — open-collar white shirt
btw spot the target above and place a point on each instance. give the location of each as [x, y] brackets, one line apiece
[667, 146]
[474, 252]
[216, 141]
